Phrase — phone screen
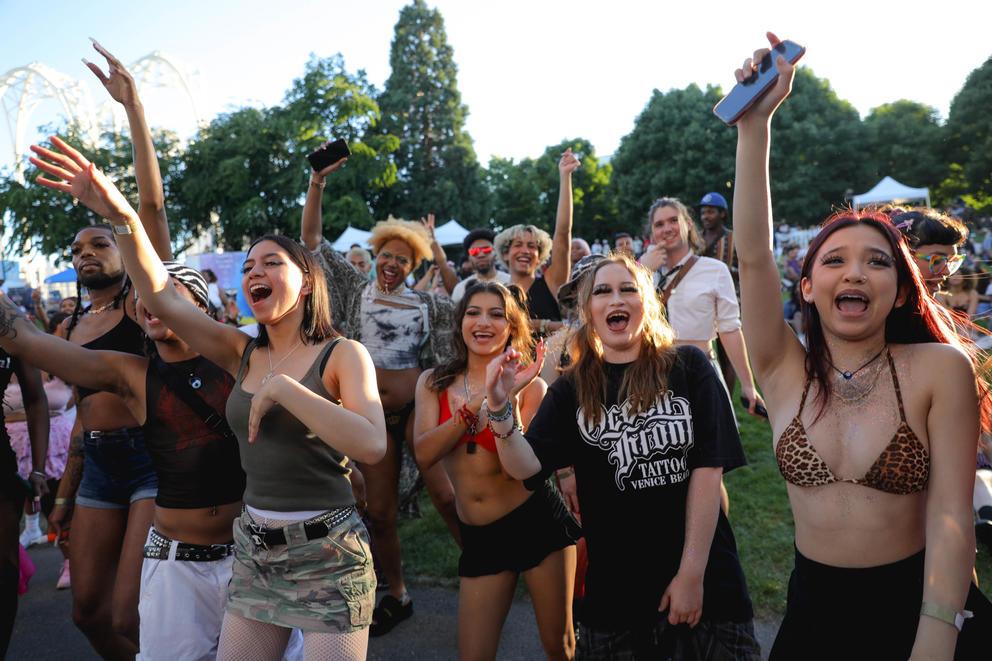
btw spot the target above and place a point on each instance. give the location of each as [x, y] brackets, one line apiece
[328, 154]
[743, 95]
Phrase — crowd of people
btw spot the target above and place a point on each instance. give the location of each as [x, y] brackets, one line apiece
[233, 491]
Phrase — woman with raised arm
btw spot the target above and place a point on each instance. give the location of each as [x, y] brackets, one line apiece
[506, 529]
[303, 401]
[877, 423]
[649, 429]
[405, 330]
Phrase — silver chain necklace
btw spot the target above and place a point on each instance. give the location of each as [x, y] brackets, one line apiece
[272, 368]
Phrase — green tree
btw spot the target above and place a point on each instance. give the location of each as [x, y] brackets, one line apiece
[818, 152]
[904, 139]
[437, 168]
[969, 143]
[45, 221]
[527, 192]
[676, 149]
[249, 167]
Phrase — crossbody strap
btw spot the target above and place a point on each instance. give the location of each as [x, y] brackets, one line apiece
[214, 420]
[670, 287]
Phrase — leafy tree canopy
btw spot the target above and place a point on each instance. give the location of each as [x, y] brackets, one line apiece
[969, 141]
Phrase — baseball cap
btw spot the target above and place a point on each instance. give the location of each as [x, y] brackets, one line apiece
[713, 200]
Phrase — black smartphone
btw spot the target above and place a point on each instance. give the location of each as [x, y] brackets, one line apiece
[759, 410]
[328, 154]
[743, 95]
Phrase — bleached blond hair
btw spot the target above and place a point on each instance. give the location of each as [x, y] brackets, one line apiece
[407, 231]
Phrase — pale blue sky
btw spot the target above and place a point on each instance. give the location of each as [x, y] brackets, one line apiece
[531, 72]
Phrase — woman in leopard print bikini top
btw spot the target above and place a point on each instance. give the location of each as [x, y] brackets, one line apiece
[903, 467]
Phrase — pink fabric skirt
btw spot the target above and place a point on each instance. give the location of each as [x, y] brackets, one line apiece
[60, 428]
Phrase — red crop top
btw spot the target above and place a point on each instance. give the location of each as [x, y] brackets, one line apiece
[484, 438]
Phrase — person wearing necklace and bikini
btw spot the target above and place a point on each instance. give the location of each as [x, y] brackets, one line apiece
[114, 505]
[302, 403]
[195, 456]
[506, 529]
[877, 423]
[406, 331]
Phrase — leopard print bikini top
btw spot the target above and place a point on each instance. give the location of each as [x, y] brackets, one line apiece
[902, 468]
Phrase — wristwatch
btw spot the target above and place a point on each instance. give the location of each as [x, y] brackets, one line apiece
[122, 229]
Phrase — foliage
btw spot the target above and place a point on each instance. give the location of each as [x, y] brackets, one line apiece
[45, 221]
[527, 192]
[969, 143]
[904, 141]
[421, 106]
[676, 149]
[249, 167]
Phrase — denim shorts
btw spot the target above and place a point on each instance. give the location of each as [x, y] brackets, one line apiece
[117, 469]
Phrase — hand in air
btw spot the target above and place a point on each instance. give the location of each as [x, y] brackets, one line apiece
[525, 375]
[569, 163]
[81, 179]
[764, 107]
[118, 81]
[500, 376]
[333, 166]
[428, 224]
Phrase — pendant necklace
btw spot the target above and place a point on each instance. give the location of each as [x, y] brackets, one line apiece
[471, 445]
[272, 368]
[102, 308]
[848, 375]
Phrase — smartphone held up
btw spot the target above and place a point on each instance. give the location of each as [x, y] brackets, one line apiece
[745, 93]
[328, 154]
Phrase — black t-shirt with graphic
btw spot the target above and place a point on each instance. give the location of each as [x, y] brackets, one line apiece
[632, 473]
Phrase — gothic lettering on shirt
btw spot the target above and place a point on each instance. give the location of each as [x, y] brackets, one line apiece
[649, 448]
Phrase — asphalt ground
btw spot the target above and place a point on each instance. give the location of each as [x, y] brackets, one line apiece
[44, 629]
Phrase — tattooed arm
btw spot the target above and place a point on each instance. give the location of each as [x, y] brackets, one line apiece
[61, 515]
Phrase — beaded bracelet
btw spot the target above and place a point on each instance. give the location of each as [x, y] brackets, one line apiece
[508, 434]
[498, 416]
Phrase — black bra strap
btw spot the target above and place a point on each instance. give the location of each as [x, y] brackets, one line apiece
[895, 384]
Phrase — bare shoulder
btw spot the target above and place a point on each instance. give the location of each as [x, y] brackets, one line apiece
[535, 389]
[933, 356]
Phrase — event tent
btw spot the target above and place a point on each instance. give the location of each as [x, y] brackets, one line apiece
[68, 275]
[351, 236]
[890, 190]
[450, 233]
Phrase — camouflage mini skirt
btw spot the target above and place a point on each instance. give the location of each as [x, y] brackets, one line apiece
[325, 584]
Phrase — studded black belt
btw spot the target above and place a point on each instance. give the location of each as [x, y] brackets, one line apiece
[159, 546]
[313, 528]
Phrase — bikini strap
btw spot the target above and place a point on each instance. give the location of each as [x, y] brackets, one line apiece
[802, 401]
[895, 384]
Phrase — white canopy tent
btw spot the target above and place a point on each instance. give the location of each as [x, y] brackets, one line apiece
[890, 190]
[450, 233]
[351, 236]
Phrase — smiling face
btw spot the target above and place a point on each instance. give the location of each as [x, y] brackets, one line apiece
[393, 264]
[272, 283]
[615, 311]
[711, 217]
[360, 262]
[853, 282]
[96, 258]
[930, 279]
[668, 230]
[485, 328]
[522, 254]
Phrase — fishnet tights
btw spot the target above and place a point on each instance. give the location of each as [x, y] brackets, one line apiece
[242, 639]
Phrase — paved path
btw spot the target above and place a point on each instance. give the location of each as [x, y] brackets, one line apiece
[44, 628]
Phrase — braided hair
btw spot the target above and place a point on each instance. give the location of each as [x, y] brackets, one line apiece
[118, 298]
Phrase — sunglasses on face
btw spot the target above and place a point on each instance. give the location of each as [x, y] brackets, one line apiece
[400, 259]
[481, 250]
[940, 262]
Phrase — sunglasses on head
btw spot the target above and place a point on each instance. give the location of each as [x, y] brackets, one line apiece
[481, 250]
[939, 262]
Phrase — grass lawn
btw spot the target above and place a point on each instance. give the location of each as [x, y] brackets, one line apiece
[759, 513]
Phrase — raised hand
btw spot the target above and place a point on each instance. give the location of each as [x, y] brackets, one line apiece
[428, 224]
[525, 375]
[569, 163]
[330, 168]
[82, 180]
[500, 376]
[118, 81]
[764, 107]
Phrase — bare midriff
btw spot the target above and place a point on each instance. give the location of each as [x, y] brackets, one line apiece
[483, 492]
[203, 525]
[397, 387]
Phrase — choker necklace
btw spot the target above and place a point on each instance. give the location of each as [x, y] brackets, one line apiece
[102, 308]
[848, 375]
[272, 367]
[388, 292]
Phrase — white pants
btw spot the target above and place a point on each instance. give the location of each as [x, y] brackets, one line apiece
[181, 607]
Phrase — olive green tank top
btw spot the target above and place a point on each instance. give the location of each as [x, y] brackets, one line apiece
[288, 467]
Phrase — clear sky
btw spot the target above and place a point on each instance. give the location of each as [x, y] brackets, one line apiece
[532, 72]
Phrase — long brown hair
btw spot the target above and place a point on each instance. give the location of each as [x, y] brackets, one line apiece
[520, 337]
[316, 325]
[689, 230]
[647, 377]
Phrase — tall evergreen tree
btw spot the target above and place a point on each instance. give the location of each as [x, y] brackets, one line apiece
[436, 163]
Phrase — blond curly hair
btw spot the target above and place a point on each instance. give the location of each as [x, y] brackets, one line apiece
[407, 231]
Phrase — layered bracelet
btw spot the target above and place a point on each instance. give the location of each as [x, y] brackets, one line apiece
[502, 414]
